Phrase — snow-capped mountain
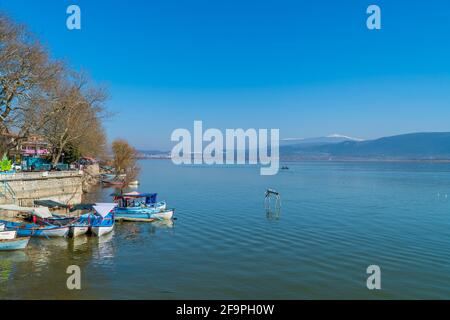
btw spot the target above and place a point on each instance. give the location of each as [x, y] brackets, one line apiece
[332, 138]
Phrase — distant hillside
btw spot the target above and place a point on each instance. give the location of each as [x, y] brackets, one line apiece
[433, 145]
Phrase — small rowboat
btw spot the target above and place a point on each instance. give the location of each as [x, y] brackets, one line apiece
[14, 244]
[9, 241]
[35, 230]
[8, 235]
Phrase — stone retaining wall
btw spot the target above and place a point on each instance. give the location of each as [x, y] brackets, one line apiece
[25, 187]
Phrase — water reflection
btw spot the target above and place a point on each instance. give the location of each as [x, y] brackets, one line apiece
[8, 261]
[273, 214]
[161, 224]
[105, 246]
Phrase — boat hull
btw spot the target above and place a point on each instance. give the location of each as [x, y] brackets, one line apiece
[160, 206]
[8, 235]
[24, 230]
[76, 231]
[14, 244]
[163, 215]
[145, 216]
[101, 230]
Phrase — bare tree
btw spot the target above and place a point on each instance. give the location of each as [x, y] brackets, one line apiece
[76, 108]
[26, 74]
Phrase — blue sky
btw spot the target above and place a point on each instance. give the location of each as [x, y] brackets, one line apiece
[310, 68]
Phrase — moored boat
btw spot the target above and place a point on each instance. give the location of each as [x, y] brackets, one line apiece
[78, 230]
[9, 240]
[103, 221]
[8, 235]
[14, 244]
[144, 216]
[136, 202]
[35, 230]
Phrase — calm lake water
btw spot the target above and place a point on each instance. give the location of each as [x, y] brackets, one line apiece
[336, 220]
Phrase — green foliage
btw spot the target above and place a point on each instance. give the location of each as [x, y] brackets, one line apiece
[71, 154]
[5, 164]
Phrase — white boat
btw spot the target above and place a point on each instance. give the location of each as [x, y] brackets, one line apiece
[56, 232]
[104, 221]
[163, 215]
[2, 227]
[8, 235]
[101, 230]
[76, 231]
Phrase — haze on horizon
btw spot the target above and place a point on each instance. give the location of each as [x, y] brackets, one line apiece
[309, 69]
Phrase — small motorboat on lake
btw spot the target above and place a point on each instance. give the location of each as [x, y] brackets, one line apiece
[136, 202]
[145, 216]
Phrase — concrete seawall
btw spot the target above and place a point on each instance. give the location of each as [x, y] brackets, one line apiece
[25, 187]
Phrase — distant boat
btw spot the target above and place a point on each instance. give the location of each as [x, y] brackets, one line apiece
[284, 168]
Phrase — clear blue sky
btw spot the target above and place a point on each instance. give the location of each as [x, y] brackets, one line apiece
[310, 68]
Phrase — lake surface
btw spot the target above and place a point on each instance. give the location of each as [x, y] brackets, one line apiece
[336, 220]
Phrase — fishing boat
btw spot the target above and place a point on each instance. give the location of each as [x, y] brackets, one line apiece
[103, 218]
[136, 202]
[144, 216]
[36, 230]
[79, 227]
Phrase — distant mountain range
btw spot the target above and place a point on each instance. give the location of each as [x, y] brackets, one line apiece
[153, 154]
[334, 138]
[413, 146]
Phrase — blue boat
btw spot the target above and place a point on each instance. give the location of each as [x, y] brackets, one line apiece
[143, 216]
[136, 202]
[35, 230]
[14, 244]
[102, 220]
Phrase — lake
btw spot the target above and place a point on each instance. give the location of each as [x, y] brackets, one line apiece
[337, 218]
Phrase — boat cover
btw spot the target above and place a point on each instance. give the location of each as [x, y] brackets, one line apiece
[104, 208]
[41, 212]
